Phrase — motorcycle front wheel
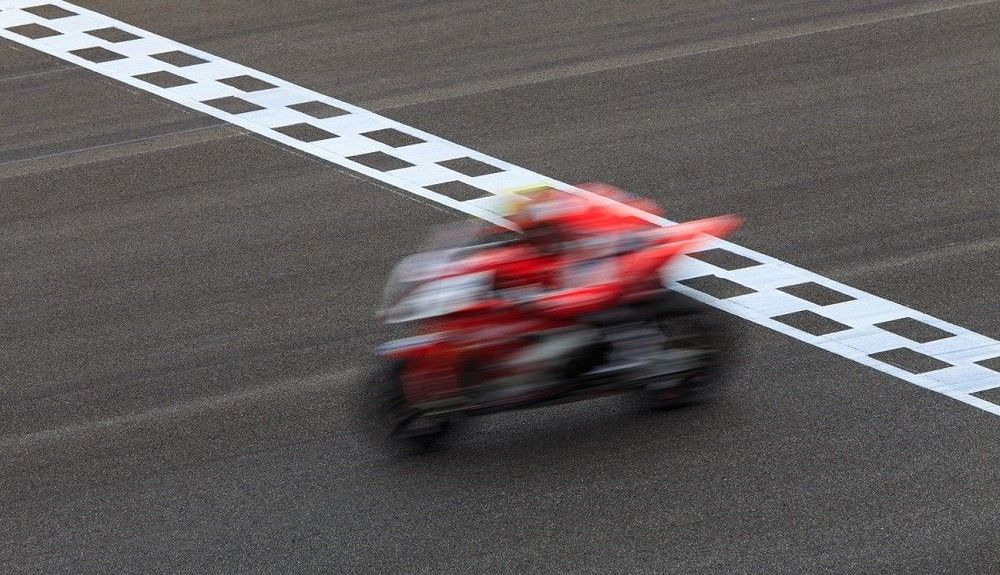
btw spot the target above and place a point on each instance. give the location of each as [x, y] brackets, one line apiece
[409, 428]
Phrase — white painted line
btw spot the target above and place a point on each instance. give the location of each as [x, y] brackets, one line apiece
[417, 167]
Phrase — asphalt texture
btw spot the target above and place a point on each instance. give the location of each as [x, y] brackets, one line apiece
[188, 310]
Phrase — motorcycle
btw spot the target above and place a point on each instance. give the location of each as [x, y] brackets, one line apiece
[646, 339]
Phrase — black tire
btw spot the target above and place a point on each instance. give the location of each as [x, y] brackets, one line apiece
[701, 328]
[405, 426]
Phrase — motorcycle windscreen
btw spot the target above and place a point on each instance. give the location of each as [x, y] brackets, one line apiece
[445, 245]
[441, 297]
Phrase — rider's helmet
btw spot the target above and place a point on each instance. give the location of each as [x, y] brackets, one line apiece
[546, 217]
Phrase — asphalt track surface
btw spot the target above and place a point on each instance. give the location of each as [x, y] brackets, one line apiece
[188, 309]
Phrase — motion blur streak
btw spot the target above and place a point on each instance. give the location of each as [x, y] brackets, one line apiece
[571, 308]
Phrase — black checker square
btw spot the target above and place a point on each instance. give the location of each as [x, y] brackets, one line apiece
[992, 363]
[247, 83]
[318, 110]
[914, 330]
[909, 360]
[164, 79]
[811, 322]
[991, 395]
[34, 31]
[818, 294]
[113, 35]
[717, 287]
[233, 105]
[380, 161]
[305, 132]
[97, 54]
[725, 259]
[179, 58]
[393, 137]
[49, 11]
[460, 191]
[470, 167]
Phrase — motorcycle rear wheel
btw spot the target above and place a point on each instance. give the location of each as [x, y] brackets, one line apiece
[701, 330]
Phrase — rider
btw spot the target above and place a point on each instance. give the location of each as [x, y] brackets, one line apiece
[574, 238]
[562, 270]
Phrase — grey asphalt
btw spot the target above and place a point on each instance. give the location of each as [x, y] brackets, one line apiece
[188, 309]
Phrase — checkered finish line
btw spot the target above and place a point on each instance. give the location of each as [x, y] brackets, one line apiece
[889, 337]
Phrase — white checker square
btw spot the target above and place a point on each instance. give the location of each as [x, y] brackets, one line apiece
[206, 72]
[870, 340]
[493, 204]
[430, 152]
[67, 42]
[505, 180]
[73, 24]
[423, 174]
[969, 378]
[11, 18]
[280, 97]
[351, 145]
[865, 311]
[271, 117]
[765, 276]
[968, 354]
[838, 348]
[146, 46]
[201, 91]
[353, 124]
[770, 303]
[132, 66]
[960, 347]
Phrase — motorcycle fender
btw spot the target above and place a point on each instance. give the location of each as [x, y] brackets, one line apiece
[429, 373]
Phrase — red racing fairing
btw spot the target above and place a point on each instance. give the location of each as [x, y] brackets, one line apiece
[495, 298]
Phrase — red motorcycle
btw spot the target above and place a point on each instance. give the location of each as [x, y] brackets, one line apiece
[639, 335]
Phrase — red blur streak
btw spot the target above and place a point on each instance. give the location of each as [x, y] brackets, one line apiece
[490, 331]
